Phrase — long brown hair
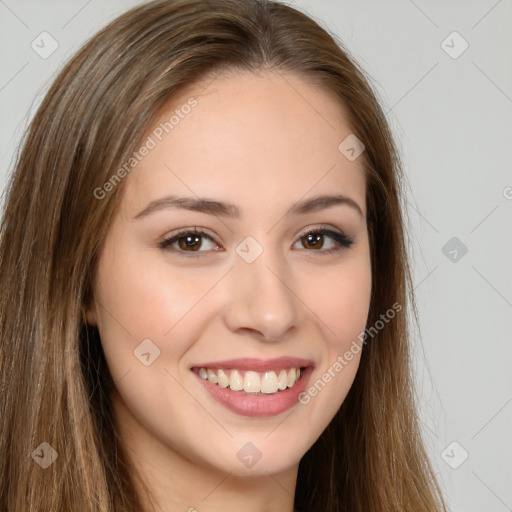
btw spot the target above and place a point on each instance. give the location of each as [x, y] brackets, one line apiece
[54, 380]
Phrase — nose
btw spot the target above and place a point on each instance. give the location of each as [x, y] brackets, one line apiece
[261, 299]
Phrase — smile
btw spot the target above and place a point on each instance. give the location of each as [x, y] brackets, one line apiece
[252, 382]
[255, 387]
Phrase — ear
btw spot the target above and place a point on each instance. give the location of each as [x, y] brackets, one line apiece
[90, 314]
[91, 317]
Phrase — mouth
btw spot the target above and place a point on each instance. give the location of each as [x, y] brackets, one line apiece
[253, 387]
[255, 383]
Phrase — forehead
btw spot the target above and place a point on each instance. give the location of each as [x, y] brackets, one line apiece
[252, 139]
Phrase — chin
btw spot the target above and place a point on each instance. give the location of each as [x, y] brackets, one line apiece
[252, 457]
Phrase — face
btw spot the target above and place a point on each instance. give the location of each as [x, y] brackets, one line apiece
[220, 272]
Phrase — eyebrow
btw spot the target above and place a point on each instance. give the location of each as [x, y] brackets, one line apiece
[222, 209]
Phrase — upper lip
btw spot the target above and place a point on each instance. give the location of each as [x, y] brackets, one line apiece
[258, 365]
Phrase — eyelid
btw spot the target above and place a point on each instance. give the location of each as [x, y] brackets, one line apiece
[194, 230]
[321, 227]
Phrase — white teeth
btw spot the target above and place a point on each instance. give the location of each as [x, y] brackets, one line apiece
[235, 381]
[283, 380]
[269, 382]
[250, 381]
[291, 377]
[212, 377]
[223, 379]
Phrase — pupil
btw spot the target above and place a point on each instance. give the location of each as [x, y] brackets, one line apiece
[313, 239]
[190, 242]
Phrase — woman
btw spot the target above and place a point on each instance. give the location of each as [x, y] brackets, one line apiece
[204, 277]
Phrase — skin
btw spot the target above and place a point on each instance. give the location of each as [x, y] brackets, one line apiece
[263, 142]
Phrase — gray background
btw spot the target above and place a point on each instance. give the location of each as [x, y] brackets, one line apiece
[452, 118]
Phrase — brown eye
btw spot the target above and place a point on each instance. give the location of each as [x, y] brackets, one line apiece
[191, 242]
[188, 241]
[313, 241]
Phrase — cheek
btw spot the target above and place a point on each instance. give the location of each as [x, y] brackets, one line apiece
[147, 321]
[141, 297]
[144, 293]
[341, 299]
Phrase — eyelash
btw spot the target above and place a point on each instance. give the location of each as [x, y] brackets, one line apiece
[342, 241]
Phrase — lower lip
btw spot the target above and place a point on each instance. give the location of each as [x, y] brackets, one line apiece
[261, 405]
